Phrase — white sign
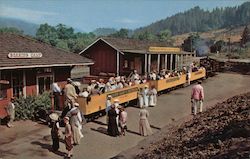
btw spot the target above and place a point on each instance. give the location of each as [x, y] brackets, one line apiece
[24, 55]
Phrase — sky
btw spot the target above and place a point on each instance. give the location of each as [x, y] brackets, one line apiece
[87, 15]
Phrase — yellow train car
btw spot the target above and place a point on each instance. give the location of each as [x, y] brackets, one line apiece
[98, 102]
[201, 73]
[171, 82]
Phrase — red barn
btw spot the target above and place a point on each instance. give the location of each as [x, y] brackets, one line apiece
[28, 67]
[121, 56]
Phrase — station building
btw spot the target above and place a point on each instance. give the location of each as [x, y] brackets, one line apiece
[120, 56]
[29, 67]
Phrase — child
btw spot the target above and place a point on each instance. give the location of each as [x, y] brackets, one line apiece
[54, 131]
[68, 137]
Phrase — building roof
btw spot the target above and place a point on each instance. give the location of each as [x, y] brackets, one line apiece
[51, 56]
[131, 45]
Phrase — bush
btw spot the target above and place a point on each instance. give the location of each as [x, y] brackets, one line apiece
[28, 108]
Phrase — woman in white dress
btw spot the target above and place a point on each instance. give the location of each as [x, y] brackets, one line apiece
[152, 96]
[145, 95]
[140, 97]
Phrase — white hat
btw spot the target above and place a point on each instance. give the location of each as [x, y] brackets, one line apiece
[54, 116]
[85, 94]
[69, 80]
[76, 104]
[109, 96]
[116, 100]
[67, 118]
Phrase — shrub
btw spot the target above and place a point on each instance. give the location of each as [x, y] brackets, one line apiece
[28, 108]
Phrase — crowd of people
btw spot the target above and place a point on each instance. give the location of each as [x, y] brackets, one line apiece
[117, 116]
[73, 120]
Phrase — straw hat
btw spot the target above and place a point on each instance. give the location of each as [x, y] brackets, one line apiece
[85, 94]
[69, 80]
[54, 116]
[146, 86]
[109, 96]
[67, 118]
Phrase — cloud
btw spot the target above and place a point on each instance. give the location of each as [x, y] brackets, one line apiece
[127, 21]
[25, 14]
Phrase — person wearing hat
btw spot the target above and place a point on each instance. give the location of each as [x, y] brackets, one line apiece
[197, 97]
[144, 126]
[76, 123]
[135, 76]
[101, 86]
[108, 106]
[145, 95]
[112, 123]
[68, 137]
[117, 107]
[123, 115]
[10, 109]
[54, 131]
[70, 92]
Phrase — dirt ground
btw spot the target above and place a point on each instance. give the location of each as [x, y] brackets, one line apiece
[31, 140]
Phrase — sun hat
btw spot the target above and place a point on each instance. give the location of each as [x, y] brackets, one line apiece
[54, 116]
[67, 118]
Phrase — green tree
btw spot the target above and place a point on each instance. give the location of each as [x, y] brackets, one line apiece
[146, 36]
[48, 34]
[165, 35]
[64, 32]
[190, 43]
[11, 30]
[63, 45]
[122, 33]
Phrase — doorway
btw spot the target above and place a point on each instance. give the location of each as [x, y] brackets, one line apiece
[44, 83]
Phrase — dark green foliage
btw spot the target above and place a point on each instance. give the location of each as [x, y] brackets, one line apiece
[217, 46]
[48, 34]
[64, 37]
[146, 35]
[190, 43]
[122, 33]
[199, 20]
[11, 30]
[27, 108]
[165, 35]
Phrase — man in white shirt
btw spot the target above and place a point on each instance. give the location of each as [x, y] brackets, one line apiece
[56, 92]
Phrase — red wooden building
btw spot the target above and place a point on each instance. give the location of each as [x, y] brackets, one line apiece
[121, 56]
[28, 67]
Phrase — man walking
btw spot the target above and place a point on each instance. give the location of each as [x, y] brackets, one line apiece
[70, 93]
[10, 109]
[197, 97]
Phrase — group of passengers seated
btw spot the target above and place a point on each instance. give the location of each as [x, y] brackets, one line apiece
[96, 87]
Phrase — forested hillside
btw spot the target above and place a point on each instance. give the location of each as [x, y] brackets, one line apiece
[25, 27]
[199, 20]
